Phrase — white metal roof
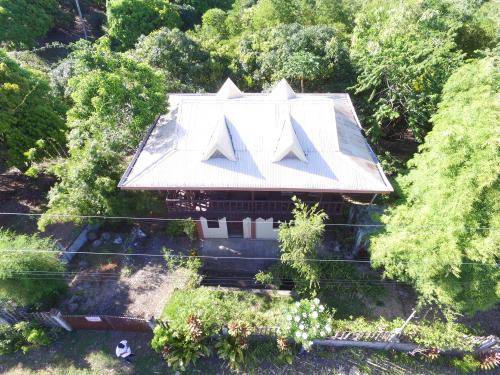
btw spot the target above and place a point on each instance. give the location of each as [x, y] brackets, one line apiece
[338, 157]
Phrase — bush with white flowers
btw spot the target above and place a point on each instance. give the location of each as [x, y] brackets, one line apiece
[307, 320]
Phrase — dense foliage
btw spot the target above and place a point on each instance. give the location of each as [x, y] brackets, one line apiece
[299, 240]
[184, 62]
[114, 100]
[23, 21]
[25, 262]
[31, 120]
[129, 19]
[314, 55]
[22, 337]
[438, 236]
[404, 52]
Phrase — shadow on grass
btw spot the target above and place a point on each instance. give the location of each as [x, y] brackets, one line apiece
[87, 352]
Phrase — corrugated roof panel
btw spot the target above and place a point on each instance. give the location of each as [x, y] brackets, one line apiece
[339, 158]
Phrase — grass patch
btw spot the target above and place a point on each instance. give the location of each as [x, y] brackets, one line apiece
[216, 307]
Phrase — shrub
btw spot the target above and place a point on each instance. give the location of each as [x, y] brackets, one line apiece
[185, 227]
[232, 347]
[468, 364]
[285, 349]
[181, 346]
[307, 320]
[35, 254]
[22, 336]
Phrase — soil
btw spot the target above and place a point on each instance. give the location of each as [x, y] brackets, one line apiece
[135, 286]
[22, 194]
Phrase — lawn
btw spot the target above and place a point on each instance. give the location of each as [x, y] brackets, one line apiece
[86, 352]
[92, 352]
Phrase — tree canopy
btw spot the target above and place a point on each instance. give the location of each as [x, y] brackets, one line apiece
[31, 119]
[186, 65]
[17, 270]
[404, 52]
[129, 19]
[438, 236]
[114, 100]
[315, 54]
[23, 21]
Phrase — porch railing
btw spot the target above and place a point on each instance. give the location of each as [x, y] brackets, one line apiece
[244, 207]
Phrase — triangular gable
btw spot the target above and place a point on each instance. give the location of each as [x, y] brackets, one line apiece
[282, 90]
[229, 90]
[288, 144]
[220, 144]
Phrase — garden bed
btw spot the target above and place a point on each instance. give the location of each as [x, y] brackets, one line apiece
[220, 307]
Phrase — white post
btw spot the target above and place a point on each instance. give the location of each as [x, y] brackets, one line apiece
[57, 316]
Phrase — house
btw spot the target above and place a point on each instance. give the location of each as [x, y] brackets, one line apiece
[233, 160]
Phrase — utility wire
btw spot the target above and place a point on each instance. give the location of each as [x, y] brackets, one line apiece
[116, 276]
[221, 257]
[227, 221]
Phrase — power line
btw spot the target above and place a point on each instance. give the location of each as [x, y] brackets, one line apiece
[231, 278]
[248, 279]
[104, 217]
[221, 257]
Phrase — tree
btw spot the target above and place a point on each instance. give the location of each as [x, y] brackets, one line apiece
[31, 276]
[23, 21]
[213, 23]
[320, 53]
[302, 65]
[114, 99]
[438, 236]
[129, 19]
[299, 241]
[31, 119]
[186, 65]
[404, 52]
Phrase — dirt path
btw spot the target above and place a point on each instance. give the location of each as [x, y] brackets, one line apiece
[149, 290]
[114, 285]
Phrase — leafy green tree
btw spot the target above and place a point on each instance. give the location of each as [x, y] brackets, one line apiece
[31, 120]
[23, 274]
[213, 23]
[23, 21]
[443, 235]
[338, 13]
[114, 99]
[404, 52]
[299, 240]
[316, 53]
[186, 65]
[302, 65]
[129, 19]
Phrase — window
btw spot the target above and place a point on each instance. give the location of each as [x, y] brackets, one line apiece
[213, 223]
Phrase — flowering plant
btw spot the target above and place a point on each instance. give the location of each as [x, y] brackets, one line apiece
[307, 320]
[232, 346]
[181, 347]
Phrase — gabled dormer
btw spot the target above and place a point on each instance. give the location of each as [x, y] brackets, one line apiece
[229, 91]
[282, 91]
[220, 144]
[288, 145]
